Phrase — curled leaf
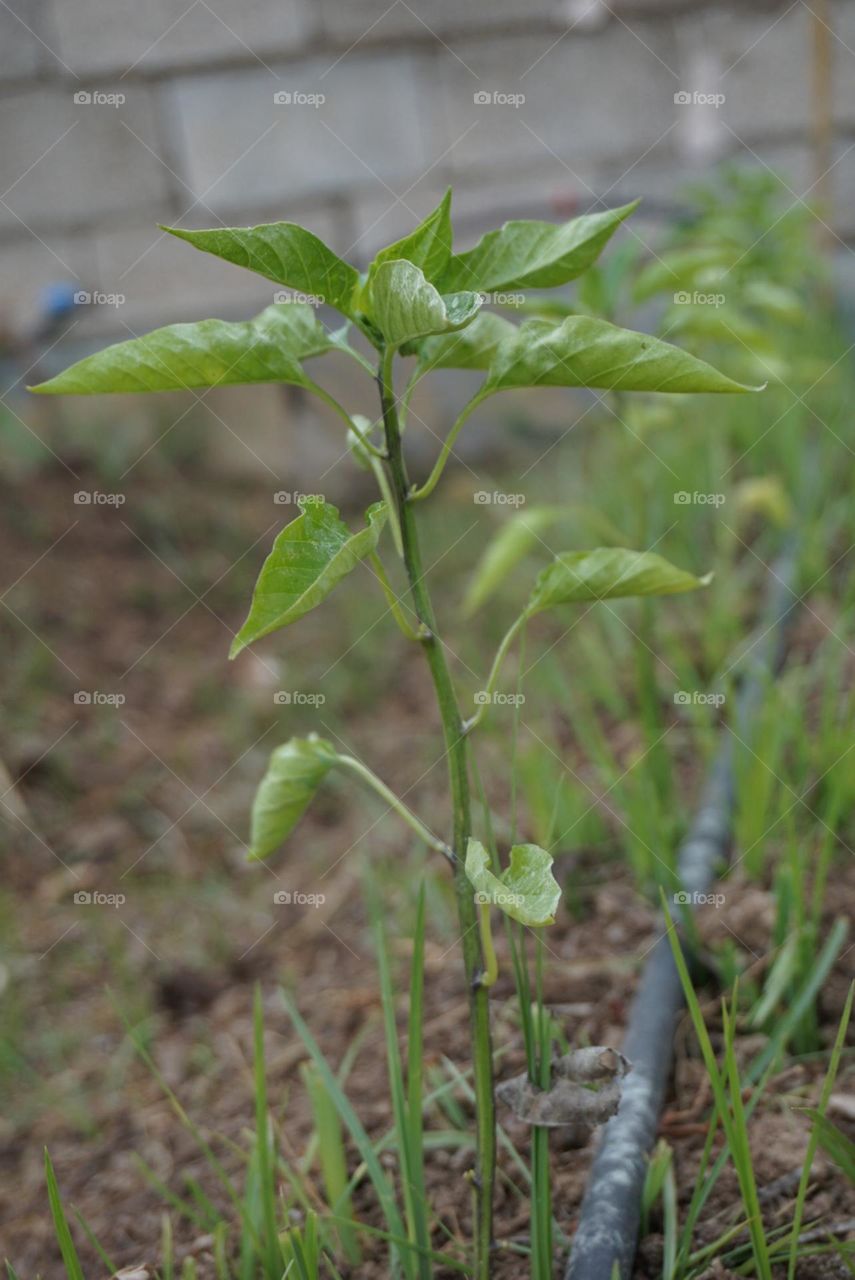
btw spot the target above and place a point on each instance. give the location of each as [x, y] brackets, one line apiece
[527, 891]
[406, 306]
[295, 772]
[585, 1092]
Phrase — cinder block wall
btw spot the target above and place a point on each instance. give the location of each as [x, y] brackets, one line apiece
[353, 115]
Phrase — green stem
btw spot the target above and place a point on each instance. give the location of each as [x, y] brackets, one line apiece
[491, 964]
[456, 753]
[486, 694]
[425, 490]
[394, 802]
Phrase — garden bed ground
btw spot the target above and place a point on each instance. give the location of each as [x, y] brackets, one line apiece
[145, 799]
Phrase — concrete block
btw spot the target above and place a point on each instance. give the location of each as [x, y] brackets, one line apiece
[335, 127]
[164, 280]
[22, 47]
[65, 162]
[377, 20]
[758, 60]
[587, 98]
[96, 39]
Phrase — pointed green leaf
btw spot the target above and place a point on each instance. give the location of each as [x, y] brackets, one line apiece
[309, 558]
[406, 306]
[583, 351]
[535, 255]
[295, 772]
[469, 348]
[428, 247]
[605, 574]
[210, 353]
[527, 891]
[284, 253]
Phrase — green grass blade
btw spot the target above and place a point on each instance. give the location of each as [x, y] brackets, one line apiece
[384, 1189]
[732, 1120]
[264, 1152]
[73, 1269]
[332, 1159]
[801, 1004]
[827, 1086]
[737, 1128]
[95, 1242]
[415, 1077]
[414, 1211]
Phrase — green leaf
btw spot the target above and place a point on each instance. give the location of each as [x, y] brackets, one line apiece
[471, 348]
[295, 772]
[536, 255]
[527, 891]
[428, 247]
[606, 573]
[406, 306]
[677, 269]
[284, 253]
[517, 537]
[512, 542]
[583, 351]
[210, 353]
[309, 558]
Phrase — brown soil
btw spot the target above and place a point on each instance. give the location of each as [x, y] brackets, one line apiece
[112, 804]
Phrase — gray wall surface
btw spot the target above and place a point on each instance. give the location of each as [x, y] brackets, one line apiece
[352, 116]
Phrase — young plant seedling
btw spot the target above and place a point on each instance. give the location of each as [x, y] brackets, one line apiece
[419, 301]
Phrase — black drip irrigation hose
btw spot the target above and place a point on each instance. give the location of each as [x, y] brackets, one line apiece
[605, 1240]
